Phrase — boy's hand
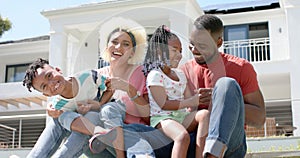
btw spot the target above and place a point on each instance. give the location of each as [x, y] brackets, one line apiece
[108, 84]
[83, 107]
[52, 111]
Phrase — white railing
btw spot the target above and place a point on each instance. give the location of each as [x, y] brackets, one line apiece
[5, 144]
[26, 130]
[253, 50]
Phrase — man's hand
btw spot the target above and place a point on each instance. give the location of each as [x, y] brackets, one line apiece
[52, 111]
[205, 95]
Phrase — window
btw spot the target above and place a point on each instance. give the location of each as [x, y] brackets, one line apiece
[15, 73]
[249, 41]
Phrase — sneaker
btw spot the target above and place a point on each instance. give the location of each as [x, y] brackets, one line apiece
[101, 140]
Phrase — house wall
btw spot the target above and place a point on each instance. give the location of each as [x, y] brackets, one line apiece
[73, 43]
[279, 77]
[292, 10]
[277, 69]
[21, 53]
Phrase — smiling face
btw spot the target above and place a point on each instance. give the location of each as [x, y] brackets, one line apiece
[120, 44]
[49, 81]
[175, 50]
[203, 46]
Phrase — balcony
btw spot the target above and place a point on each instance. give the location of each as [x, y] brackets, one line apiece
[254, 50]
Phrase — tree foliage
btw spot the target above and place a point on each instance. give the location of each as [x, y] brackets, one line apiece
[5, 25]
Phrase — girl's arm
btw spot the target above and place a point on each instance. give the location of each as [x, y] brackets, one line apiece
[188, 94]
[160, 97]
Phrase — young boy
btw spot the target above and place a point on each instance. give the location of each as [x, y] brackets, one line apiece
[68, 92]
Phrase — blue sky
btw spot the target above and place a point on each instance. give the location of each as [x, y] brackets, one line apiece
[28, 22]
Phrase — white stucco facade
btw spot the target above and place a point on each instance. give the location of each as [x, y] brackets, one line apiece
[74, 36]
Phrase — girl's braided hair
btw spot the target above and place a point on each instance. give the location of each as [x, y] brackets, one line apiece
[158, 52]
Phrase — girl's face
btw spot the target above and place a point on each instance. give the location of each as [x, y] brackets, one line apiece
[120, 45]
[175, 50]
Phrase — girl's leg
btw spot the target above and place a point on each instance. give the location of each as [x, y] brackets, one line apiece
[178, 133]
[198, 120]
[202, 117]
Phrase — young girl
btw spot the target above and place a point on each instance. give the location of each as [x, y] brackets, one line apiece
[170, 100]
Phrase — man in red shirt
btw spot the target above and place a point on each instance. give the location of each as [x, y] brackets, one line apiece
[236, 99]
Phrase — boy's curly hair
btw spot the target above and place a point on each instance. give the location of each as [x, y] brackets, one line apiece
[31, 70]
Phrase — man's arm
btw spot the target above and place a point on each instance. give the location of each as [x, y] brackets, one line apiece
[255, 112]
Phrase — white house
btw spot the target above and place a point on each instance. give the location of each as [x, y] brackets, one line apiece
[262, 31]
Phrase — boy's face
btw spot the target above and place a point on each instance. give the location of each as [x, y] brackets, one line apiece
[49, 81]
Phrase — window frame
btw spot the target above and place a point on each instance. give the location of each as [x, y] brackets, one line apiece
[7, 67]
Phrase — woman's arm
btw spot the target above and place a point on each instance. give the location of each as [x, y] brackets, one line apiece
[139, 99]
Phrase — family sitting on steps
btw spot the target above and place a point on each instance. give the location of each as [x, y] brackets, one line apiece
[145, 104]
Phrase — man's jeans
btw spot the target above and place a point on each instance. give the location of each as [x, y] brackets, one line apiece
[161, 144]
[226, 135]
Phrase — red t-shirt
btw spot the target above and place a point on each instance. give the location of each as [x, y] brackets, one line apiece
[206, 75]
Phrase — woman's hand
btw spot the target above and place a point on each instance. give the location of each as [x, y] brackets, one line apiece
[119, 83]
[52, 111]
